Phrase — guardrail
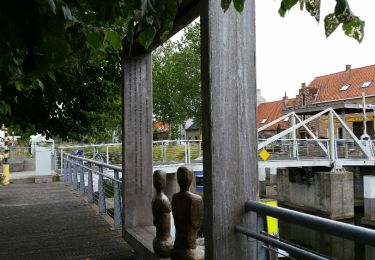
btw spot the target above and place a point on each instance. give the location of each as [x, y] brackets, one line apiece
[166, 151]
[347, 231]
[100, 182]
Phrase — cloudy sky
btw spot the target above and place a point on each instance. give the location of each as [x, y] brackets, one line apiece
[294, 49]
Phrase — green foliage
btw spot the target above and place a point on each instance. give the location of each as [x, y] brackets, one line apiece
[176, 79]
[351, 24]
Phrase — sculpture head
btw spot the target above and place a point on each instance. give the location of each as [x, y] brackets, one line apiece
[184, 178]
[159, 180]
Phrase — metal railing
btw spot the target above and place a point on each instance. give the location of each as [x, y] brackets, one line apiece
[347, 231]
[164, 152]
[100, 182]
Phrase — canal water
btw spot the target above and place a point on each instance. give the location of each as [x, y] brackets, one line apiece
[332, 246]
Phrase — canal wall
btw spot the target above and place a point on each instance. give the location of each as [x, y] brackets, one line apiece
[327, 193]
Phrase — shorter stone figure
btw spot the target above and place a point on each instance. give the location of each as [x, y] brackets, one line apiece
[187, 209]
[161, 210]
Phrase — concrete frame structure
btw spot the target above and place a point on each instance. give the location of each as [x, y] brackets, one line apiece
[229, 105]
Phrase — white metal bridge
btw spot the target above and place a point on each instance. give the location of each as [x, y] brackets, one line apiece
[285, 150]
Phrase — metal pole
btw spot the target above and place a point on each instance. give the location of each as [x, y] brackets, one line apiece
[82, 180]
[70, 170]
[107, 156]
[294, 137]
[61, 158]
[90, 188]
[117, 203]
[75, 176]
[101, 202]
[337, 228]
[188, 152]
[364, 115]
[331, 136]
[65, 169]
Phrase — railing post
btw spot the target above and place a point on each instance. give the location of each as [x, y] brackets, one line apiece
[185, 152]
[75, 175]
[101, 202]
[70, 171]
[82, 179]
[261, 226]
[107, 155]
[294, 137]
[117, 203]
[65, 169]
[188, 147]
[90, 188]
[331, 137]
[61, 158]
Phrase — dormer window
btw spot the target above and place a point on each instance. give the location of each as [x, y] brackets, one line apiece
[345, 87]
[366, 84]
[263, 121]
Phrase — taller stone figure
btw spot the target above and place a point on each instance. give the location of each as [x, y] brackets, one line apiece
[187, 209]
[161, 210]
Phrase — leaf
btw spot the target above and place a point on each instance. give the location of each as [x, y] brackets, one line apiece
[41, 85]
[330, 24]
[52, 5]
[67, 13]
[225, 4]
[239, 5]
[342, 11]
[51, 75]
[313, 7]
[114, 39]
[354, 28]
[146, 37]
[286, 5]
[94, 38]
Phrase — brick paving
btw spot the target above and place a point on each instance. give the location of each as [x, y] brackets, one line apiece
[49, 221]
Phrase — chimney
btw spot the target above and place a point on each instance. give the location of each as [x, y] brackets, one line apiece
[285, 99]
[348, 67]
[303, 85]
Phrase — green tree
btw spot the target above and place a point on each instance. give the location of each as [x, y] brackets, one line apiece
[176, 79]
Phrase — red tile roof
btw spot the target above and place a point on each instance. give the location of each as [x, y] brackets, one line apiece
[161, 127]
[328, 86]
[271, 111]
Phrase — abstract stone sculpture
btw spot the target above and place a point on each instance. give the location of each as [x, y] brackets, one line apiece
[161, 210]
[187, 209]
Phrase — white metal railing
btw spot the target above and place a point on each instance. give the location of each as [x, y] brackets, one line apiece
[164, 152]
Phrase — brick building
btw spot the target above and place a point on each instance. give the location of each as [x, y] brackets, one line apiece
[342, 91]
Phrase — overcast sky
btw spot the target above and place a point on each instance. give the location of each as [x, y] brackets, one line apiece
[294, 49]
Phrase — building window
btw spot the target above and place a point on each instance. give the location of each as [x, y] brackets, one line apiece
[263, 121]
[345, 87]
[366, 84]
[303, 99]
[340, 133]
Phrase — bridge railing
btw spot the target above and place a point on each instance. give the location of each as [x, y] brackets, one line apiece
[340, 229]
[165, 151]
[99, 182]
[297, 149]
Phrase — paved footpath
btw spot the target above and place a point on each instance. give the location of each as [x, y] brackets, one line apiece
[49, 221]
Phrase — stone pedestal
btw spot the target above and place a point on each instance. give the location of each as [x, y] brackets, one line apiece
[262, 182]
[326, 193]
[369, 197]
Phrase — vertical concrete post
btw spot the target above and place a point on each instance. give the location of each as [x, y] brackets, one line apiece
[229, 128]
[137, 140]
[369, 197]
[331, 137]
[64, 169]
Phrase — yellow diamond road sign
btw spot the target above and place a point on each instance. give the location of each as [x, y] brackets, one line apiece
[264, 155]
